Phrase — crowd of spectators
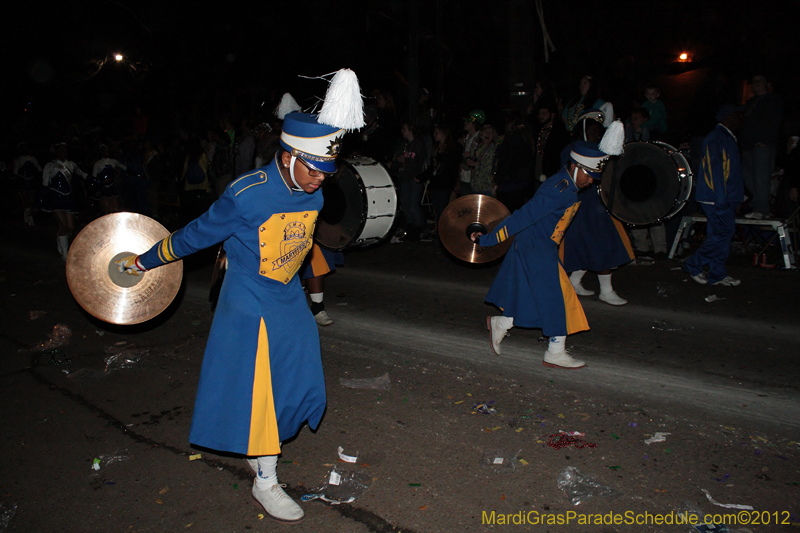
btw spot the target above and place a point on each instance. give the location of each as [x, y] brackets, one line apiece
[433, 157]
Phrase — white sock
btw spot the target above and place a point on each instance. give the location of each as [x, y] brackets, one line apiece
[557, 344]
[605, 283]
[576, 277]
[267, 474]
[505, 322]
[316, 297]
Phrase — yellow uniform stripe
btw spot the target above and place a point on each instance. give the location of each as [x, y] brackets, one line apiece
[707, 168]
[576, 318]
[264, 436]
[623, 236]
[319, 266]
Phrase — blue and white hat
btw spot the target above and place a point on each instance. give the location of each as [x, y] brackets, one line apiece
[592, 158]
[589, 158]
[317, 138]
[316, 144]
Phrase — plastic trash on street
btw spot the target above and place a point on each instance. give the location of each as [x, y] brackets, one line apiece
[340, 486]
[59, 337]
[7, 512]
[578, 487]
[501, 461]
[103, 461]
[127, 358]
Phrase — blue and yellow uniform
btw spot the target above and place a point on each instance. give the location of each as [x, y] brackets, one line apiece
[531, 285]
[720, 190]
[262, 361]
[595, 241]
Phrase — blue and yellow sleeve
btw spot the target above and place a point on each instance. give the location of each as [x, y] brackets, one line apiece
[544, 202]
[214, 226]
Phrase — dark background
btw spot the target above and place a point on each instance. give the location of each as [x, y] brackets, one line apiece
[200, 59]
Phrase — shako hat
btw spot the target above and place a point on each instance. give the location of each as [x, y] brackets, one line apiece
[591, 157]
[317, 138]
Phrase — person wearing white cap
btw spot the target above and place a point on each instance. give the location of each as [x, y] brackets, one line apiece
[531, 288]
[262, 378]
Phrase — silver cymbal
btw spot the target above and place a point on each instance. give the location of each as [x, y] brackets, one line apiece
[96, 282]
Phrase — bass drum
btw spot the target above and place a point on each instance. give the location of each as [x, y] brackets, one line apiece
[360, 205]
[647, 185]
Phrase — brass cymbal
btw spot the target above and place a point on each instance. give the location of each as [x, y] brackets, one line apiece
[96, 282]
[472, 213]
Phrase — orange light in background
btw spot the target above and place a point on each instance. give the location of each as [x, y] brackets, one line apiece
[684, 57]
[118, 57]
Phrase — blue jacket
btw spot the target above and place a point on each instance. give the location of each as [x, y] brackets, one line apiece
[720, 179]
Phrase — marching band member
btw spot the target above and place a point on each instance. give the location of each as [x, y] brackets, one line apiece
[596, 241]
[531, 287]
[262, 378]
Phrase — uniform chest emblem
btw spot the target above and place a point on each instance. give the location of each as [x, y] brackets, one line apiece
[284, 241]
[294, 245]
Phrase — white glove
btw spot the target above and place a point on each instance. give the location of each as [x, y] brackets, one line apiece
[130, 265]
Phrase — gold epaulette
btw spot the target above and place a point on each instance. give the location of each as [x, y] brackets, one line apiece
[244, 182]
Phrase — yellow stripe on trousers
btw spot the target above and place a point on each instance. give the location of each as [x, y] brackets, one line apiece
[576, 318]
[264, 437]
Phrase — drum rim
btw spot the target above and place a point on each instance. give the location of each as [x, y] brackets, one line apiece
[364, 206]
[678, 203]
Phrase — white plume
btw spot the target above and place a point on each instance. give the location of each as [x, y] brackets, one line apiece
[343, 106]
[288, 105]
[613, 139]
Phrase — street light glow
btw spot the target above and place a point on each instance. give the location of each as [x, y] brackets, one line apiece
[118, 57]
[684, 56]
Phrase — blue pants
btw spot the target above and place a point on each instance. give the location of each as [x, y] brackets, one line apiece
[411, 199]
[757, 165]
[716, 249]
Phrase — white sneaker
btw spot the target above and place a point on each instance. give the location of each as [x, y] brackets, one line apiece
[700, 278]
[728, 282]
[496, 333]
[277, 504]
[754, 215]
[581, 290]
[323, 319]
[562, 360]
[612, 298]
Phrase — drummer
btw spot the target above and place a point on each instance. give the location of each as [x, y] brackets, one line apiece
[595, 241]
[262, 377]
[531, 287]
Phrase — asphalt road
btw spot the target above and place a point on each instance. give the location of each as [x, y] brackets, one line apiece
[720, 377]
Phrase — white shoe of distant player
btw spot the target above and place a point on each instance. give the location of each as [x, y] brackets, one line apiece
[323, 319]
[562, 360]
[581, 290]
[612, 298]
[277, 504]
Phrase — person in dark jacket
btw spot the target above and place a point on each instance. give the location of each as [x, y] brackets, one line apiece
[515, 162]
[719, 191]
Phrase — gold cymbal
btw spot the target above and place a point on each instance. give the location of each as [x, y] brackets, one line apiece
[472, 213]
[96, 282]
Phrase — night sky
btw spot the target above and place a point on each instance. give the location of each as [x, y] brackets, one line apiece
[232, 56]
